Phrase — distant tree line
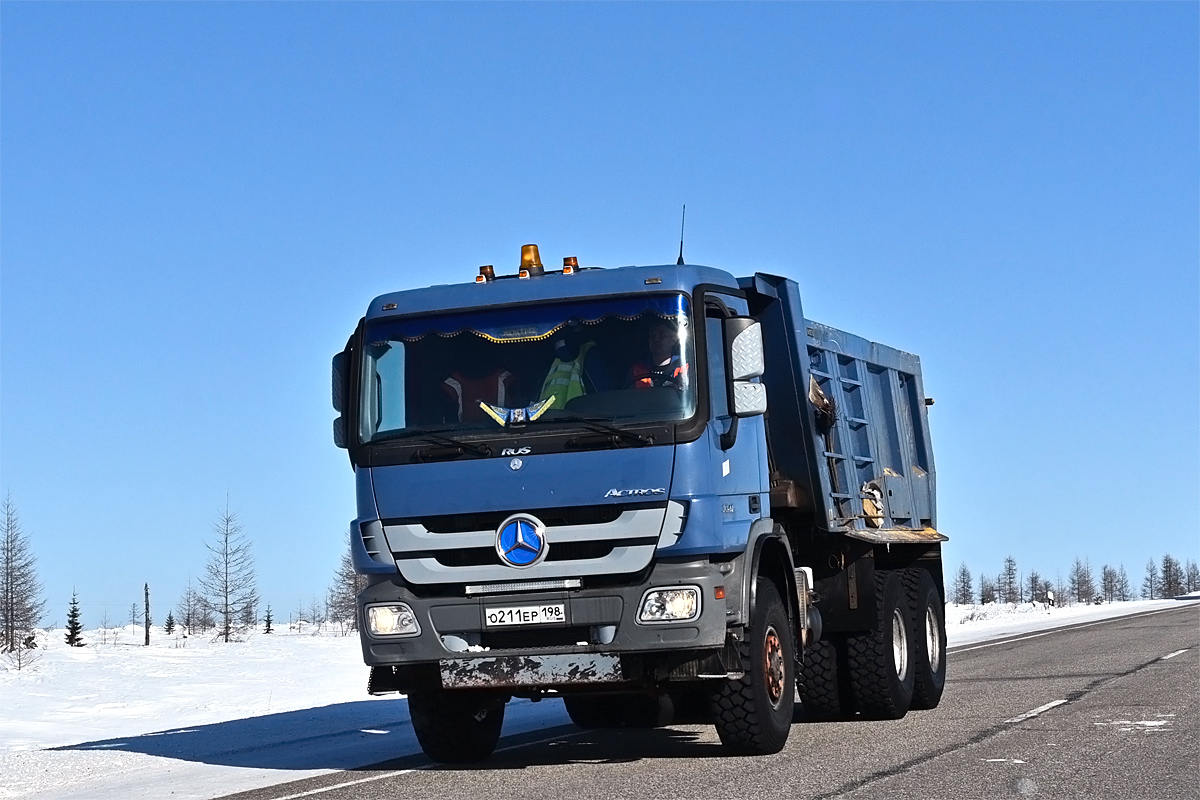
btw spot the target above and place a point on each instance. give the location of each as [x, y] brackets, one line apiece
[1167, 578]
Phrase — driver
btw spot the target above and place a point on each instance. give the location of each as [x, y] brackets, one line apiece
[665, 366]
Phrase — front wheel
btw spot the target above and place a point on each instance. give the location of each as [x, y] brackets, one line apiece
[753, 714]
[456, 727]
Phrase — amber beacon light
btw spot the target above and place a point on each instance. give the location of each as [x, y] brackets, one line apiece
[570, 265]
[531, 262]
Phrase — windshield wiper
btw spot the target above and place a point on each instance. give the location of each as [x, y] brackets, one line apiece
[446, 441]
[435, 437]
[597, 426]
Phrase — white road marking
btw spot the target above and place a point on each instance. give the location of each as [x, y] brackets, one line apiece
[1176, 653]
[400, 772]
[955, 651]
[324, 789]
[1034, 713]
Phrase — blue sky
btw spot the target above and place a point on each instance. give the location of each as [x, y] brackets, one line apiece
[199, 200]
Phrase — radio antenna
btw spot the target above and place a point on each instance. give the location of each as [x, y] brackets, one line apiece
[682, 222]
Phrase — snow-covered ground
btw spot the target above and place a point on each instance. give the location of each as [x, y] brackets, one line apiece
[972, 624]
[205, 719]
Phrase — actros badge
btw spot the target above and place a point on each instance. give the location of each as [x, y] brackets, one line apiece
[634, 492]
[521, 541]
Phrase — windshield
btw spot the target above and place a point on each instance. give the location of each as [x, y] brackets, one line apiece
[621, 359]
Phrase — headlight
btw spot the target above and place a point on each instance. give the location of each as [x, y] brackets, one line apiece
[675, 604]
[392, 620]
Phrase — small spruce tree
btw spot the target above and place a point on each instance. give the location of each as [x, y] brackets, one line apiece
[169, 626]
[74, 625]
[268, 621]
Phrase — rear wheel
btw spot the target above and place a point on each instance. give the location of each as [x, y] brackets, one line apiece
[618, 710]
[819, 684]
[929, 637]
[881, 662]
[456, 727]
[753, 714]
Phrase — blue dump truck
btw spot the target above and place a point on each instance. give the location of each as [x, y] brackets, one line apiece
[659, 493]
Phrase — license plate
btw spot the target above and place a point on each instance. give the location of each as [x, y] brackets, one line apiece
[526, 615]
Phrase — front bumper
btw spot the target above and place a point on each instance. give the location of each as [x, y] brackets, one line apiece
[600, 628]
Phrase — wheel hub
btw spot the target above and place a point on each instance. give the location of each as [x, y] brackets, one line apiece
[773, 663]
[933, 639]
[899, 644]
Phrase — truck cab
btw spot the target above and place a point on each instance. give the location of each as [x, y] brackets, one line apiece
[643, 489]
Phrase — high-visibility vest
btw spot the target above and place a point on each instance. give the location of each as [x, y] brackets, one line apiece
[674, 373]
[564, 382]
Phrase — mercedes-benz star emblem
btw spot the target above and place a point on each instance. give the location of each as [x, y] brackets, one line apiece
[521, 541]
[516, 463]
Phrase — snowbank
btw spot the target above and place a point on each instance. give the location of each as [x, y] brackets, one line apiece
[978, 623]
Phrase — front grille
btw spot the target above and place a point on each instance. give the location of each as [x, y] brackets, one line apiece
[534, 638]
[583, 541]
[551, 517]
[562, 551]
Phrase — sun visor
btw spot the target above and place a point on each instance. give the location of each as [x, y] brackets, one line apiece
[528, 323]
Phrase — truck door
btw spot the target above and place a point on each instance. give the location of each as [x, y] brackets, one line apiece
[738, 470]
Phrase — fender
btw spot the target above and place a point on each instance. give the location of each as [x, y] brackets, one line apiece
[765, 533]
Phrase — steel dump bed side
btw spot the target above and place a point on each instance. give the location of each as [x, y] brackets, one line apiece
[847, 429]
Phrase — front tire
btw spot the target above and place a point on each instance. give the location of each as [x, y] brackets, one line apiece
[881, 661]
[927, 612]
[456, 727]
[753, 714]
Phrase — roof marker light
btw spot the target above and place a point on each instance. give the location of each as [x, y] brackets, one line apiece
[486, 273]
[570, 265]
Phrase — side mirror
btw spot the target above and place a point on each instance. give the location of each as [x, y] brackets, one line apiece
[339, 399]
[743, 337]
[339, 381]
[749, 399]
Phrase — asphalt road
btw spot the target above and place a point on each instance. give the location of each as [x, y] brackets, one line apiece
[1100, 710]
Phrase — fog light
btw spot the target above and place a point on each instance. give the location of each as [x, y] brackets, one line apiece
[675, 604]
[393, 620]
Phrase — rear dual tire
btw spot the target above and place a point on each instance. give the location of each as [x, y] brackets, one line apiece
[618, 710]
[882, 662]
[927, 614]
[820, 685]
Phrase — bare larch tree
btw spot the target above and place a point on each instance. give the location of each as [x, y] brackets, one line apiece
[190, 611]
[229, 585]
[343, 593]
[21, 602]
